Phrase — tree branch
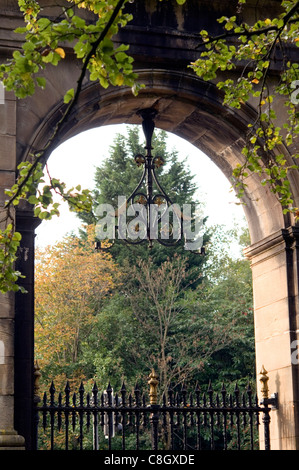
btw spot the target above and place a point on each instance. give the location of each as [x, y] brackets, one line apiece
[40, 154]
[230, 34]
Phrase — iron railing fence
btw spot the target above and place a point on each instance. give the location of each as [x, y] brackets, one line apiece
[127, 421]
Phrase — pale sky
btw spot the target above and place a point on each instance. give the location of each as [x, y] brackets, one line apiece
[74, 162]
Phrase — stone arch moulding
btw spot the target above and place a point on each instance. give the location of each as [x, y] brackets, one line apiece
[193, 110]
[187, 107]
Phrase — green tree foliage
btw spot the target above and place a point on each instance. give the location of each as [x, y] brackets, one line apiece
[154, 318]
[225, 296]
[116, 350]
[201, 333]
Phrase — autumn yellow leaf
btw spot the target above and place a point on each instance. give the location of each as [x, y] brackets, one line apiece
[119, 79]
[255, 80]
[60, 51]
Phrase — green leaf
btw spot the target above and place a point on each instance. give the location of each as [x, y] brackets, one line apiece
[78, 22]
[17, 236]
[33, 199]
[41, 81]
[69, 95]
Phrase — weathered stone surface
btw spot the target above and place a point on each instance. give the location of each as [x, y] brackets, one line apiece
[275, 294]
[10, 440]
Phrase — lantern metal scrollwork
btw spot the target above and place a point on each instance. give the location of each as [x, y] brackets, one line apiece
[149, 214]
[154, 221]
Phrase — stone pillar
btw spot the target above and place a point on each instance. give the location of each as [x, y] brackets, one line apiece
[274, 263]
[9, 438]
[24, 328]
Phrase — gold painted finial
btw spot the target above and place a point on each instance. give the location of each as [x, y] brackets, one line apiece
[264, 380]
[153, 383]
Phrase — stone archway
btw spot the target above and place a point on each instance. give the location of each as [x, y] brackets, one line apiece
[193, 110]
[187, 107]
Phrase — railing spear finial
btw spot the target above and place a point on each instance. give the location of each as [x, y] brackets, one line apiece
[273, 400]
[264, 381]
[153, 383]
